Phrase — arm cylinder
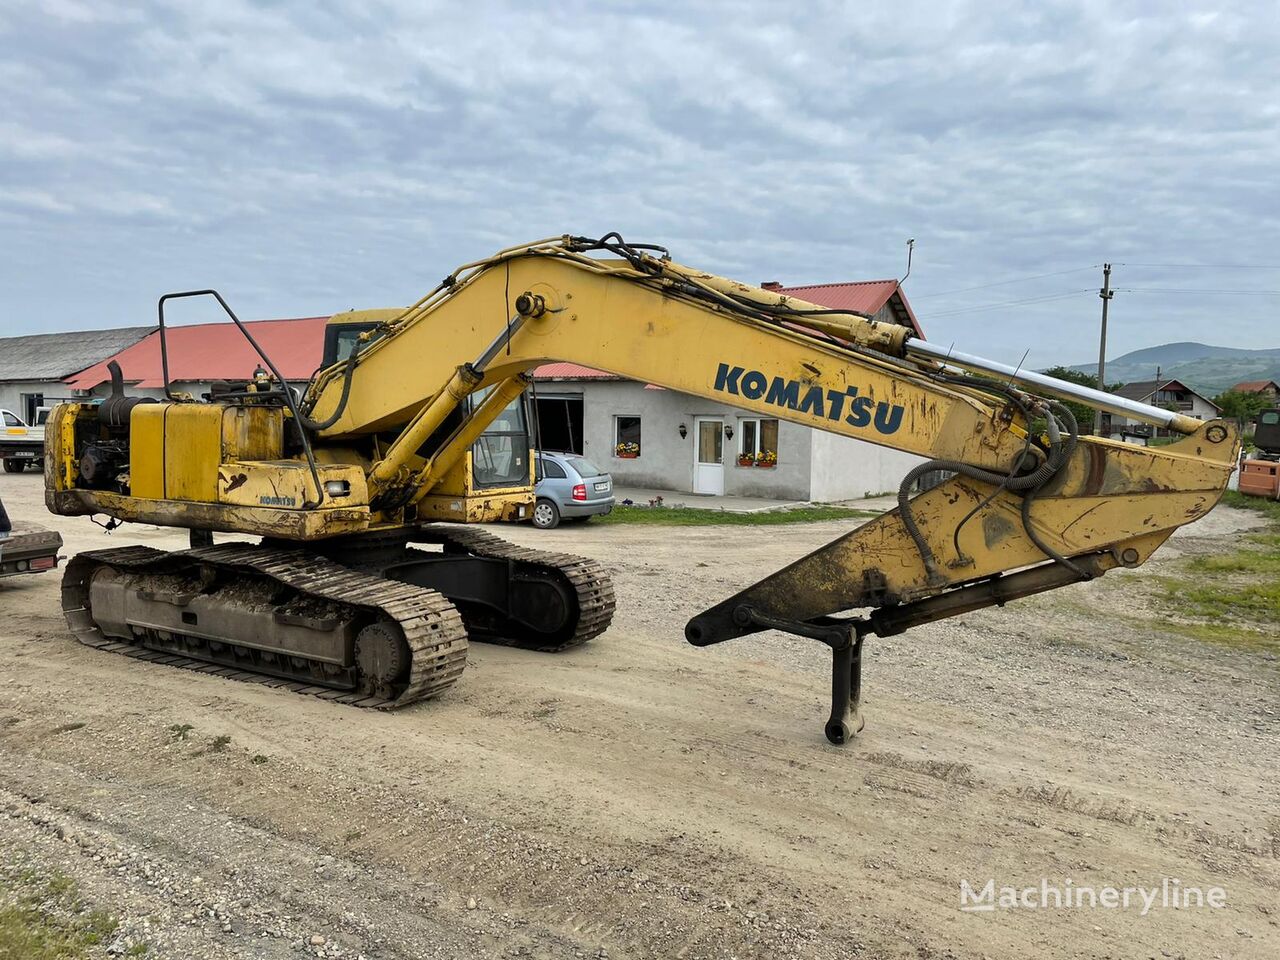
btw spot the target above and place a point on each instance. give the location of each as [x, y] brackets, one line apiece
[1063, 390]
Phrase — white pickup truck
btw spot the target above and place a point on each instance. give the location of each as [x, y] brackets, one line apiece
[21, 445]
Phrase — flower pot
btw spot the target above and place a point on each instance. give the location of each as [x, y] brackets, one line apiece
[626, 456]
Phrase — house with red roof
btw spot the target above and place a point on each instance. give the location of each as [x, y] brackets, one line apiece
[1163, 392]
[1268, 388]
[204, 352]
[648, 436]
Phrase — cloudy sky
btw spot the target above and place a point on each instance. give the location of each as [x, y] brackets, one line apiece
[310, 157]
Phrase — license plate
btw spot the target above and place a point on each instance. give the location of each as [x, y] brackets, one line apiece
[24, 453]
[602, 486]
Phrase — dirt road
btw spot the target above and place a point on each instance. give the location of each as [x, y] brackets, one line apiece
[642, 798]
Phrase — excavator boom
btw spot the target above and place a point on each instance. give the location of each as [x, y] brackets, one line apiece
[1030, 504]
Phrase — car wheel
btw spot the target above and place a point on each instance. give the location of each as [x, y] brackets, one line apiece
[14, 466]
[546, 515]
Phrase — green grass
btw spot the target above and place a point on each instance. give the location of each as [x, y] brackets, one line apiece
[1268, 508]
[1219, 601]
[1262, 562]
[702, 517]
[1227, 635]
[1233, 593]
[45, 920]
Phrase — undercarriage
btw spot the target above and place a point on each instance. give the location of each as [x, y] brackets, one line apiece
[375, 620]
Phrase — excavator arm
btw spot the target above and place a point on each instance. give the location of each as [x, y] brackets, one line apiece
[1030, 504]
[1023, 512]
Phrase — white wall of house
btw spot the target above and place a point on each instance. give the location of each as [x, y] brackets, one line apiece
[12, 393]
[812, 464]
[666, 460]
[1202, 409]
[1199, 408]
[846, 469]
[197, 389]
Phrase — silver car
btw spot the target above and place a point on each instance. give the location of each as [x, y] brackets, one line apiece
[571, 487]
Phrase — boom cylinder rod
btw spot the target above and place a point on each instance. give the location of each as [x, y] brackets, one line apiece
[464, 380]
[468, 433]
[923, 350]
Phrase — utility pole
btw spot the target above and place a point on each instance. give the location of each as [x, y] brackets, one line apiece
[1106, 293]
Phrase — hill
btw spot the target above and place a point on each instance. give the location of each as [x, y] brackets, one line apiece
[1205, 368]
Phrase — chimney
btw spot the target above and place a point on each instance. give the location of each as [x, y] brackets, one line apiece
[773, 285]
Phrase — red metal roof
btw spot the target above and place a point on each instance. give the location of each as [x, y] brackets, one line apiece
[863, 296]
[571, 371]
[215, 351]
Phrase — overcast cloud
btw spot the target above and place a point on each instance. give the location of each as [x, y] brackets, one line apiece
[306, 158]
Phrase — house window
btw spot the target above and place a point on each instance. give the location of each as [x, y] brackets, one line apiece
[758, 442]
[31, 404]
[626, 437]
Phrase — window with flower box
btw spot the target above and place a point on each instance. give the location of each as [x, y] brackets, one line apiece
[758, 443]
[626, 437]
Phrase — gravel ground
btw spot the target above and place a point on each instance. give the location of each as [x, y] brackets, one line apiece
[639, 797]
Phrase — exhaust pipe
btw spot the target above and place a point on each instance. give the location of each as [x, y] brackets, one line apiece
[114, 411]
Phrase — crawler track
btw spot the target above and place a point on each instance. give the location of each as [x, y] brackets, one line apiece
[588, 580]
[431, 625]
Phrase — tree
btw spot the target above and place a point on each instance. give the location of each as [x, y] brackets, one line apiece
[1243, 406]
[1083, 413]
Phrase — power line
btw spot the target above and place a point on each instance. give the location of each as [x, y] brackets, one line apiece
[1011, 303]
[1004, 283]
[1230, 292]
[1096, 266]
[1206, 266]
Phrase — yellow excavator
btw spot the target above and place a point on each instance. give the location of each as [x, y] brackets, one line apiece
[354, 595]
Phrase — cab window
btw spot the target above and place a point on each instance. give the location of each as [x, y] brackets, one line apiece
[340, 340]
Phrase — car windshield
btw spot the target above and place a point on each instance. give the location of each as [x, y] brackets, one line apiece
[584, 466]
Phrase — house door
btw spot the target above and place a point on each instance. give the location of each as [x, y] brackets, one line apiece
[708, 455]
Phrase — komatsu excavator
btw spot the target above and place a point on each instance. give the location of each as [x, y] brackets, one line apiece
[352, 594]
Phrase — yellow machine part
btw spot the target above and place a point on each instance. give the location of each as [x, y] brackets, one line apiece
[213, 467]
[392, 426]
[457, 498]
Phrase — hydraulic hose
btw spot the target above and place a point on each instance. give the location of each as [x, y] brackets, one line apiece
[1073, 436]
[1059, 453]
[314, 426]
